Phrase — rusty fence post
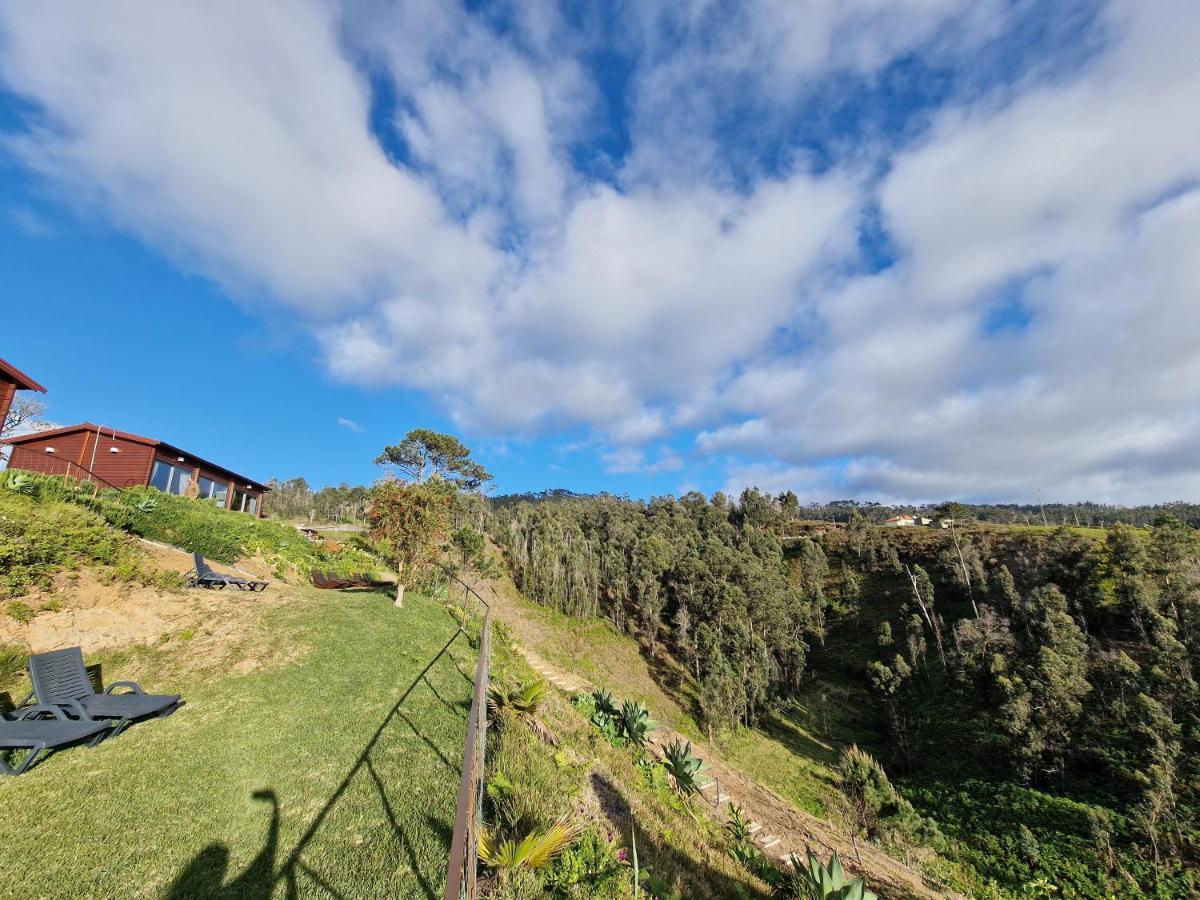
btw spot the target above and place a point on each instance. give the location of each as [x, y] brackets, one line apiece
[464, 845]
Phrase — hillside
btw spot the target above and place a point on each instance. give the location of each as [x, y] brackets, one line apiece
[318, 746]
[1029, 690]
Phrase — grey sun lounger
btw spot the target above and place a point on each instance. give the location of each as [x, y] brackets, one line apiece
[204, 576]
[30, 729]
[59, 679]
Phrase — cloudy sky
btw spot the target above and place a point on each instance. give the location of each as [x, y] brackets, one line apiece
[889, 249]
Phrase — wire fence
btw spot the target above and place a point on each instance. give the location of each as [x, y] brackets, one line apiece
[464, 845]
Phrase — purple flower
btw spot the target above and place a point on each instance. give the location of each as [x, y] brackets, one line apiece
[622, 855]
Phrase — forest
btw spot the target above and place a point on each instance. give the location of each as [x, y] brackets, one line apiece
[1031, 690]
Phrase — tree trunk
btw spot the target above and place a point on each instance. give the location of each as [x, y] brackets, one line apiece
[400, 594]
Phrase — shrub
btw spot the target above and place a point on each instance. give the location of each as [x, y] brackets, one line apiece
[193, 525]
[877, 808]
[591, 868]
[22, 612]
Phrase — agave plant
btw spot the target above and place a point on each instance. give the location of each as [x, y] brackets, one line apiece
[147, 505]
[636, 723]
[535, 850]
[522, 703]
[738, 825]
[606, 706]
[20, 483]
[682, 767]
[817, 881]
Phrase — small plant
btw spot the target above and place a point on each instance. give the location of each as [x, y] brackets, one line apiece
[186, 634]
[146, 504]
[535, 850]
[738, 825]
[20, 483]
[605, 705]
[22, 612]
[521, 704]
[591, 868]
[636, 723]
[818, 881]
[682, 767]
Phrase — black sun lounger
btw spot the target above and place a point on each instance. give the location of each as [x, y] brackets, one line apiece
[204, 576]
[39, 728]
[59, 679]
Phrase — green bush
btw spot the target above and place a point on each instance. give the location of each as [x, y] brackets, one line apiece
[56, 523]
[591, 868]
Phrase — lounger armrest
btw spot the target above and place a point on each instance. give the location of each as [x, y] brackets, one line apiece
[29, 712]
[134, 687]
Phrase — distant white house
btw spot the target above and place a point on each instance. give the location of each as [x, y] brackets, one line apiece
[907, 521]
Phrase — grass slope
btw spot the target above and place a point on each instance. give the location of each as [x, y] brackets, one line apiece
[303, 772]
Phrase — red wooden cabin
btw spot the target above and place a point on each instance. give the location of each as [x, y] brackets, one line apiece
[119, 459]
[12, 380]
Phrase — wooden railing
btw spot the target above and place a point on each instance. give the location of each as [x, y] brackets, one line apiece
[48, 464]
[464, 845]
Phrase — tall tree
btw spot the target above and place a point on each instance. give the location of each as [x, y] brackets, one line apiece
[425, 454]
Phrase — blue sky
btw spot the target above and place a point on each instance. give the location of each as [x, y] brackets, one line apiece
[900, 251]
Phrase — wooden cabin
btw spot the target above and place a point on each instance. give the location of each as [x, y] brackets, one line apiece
[12, 380]
[119, 459]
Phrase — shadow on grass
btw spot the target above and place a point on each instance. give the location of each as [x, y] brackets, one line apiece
[661, 859]
[204, 876]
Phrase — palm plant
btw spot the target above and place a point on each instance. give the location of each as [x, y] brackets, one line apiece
[636, 723]
[682, 767]
[818, 881]
[522, 703]
[535, 850]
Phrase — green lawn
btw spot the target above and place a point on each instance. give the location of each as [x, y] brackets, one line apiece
[304, 772]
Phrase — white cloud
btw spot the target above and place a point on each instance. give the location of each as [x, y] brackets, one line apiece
[1083, 189]
[472, 255]
[350, 425]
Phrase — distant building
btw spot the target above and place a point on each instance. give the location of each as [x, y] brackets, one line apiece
[119, 459]
[12, 380]
[907, 521]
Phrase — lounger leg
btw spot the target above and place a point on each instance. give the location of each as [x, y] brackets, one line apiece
[24, 764]
[120, 726]
[100, 735]
[174, 707]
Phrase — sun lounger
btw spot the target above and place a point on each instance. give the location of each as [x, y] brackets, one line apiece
[204, 576]
[59, 679]
[40, 728]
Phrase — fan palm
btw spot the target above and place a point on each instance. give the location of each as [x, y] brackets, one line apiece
[522, 703]
[535, 850]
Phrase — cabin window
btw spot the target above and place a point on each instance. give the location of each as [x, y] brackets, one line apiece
[168, 478]
[214, 491]
[244, 502]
